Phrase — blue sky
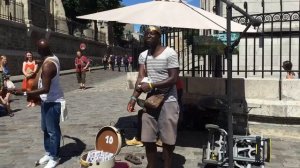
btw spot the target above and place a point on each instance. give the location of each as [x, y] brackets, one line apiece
[132, 2]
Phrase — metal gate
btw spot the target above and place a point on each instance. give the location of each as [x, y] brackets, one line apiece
[259, 54]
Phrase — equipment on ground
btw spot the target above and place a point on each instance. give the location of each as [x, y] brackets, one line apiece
[108, 143]
[248, 151]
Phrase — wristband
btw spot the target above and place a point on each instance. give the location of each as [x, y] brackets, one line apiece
[133, 98]
[150, 84]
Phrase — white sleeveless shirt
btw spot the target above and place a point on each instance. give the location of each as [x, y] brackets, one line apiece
[55, 93]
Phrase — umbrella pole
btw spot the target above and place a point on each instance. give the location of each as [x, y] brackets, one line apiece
[255, 23]
[229, 87]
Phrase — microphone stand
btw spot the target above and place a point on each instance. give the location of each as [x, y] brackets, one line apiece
[229, 47]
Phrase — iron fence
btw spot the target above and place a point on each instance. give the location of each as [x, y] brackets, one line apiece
[259, 54]
[12, 10]
[278, 40]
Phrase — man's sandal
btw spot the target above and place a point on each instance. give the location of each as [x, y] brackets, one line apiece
[133, 159]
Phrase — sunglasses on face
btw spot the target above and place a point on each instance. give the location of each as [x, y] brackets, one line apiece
[151, 33]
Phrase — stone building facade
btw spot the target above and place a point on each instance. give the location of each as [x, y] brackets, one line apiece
[24, 22]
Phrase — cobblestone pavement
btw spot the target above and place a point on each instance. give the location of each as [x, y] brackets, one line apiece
[103, 103]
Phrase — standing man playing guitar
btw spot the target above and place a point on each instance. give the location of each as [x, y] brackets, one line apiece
[160, 65]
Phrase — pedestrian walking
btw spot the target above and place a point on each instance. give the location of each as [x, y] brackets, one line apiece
[130, 62]
[81, 65]
[126, 63]
[112, 62]
[105, 61]
[160, 65]
[51, 95]
[119, 62]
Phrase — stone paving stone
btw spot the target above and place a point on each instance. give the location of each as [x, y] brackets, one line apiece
[102, 104]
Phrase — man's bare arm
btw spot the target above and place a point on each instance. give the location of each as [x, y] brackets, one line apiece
[140, 77]
[48, 72]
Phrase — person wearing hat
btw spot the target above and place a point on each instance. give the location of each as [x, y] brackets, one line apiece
[160, 65]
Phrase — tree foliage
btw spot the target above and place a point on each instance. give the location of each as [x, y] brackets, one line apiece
[75, 8]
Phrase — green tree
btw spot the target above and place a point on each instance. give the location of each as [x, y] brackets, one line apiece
[74, 8]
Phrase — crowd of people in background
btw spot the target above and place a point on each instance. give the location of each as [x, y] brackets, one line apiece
[111, 61]
[31, 71]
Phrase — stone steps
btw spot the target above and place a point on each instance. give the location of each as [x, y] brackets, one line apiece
[274, 108]
[281, 131]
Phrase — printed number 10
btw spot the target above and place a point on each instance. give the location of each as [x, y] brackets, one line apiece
[109, 139]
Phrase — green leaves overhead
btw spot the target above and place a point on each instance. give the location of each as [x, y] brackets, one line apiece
[74, 8]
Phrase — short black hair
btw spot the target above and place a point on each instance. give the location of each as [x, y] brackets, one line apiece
[287, 65]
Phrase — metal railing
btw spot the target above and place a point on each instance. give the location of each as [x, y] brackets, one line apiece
[12, 10]
[268, 53]
[258, 55]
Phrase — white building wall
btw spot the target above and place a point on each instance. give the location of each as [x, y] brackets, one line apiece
[255, 7]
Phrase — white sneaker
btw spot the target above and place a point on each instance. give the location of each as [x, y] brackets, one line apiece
[44, 159]
[52, 163]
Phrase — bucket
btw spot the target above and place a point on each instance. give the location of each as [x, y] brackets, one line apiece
[108, 140]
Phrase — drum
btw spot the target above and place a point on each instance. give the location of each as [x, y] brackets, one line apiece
[108, 140]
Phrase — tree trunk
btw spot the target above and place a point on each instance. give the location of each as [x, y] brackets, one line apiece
[96, 30]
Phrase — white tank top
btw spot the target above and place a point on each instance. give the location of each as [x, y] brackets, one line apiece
[55, 93]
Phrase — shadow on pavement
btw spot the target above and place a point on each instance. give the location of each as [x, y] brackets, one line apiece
[89, 87]
[16, 110]
[71, 149]
[178, 161]
[185, 137]
[4, 113]
[191, 138]
[128, 126]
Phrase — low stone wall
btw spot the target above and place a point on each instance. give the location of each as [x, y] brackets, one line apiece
[261, 95]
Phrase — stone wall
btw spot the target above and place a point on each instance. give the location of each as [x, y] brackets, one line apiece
[260, 95]
[16, 38]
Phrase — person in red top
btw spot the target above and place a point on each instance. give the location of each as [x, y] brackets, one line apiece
[29, 70]
[81, 66]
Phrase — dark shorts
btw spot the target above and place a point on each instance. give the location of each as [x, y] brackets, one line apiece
[80, 77]
[164, 124]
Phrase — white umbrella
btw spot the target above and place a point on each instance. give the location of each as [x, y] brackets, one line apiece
[172, 13]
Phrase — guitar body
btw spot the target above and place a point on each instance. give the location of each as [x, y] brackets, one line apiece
[32, 84]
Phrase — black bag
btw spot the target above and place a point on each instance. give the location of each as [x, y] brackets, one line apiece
[156, 100]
